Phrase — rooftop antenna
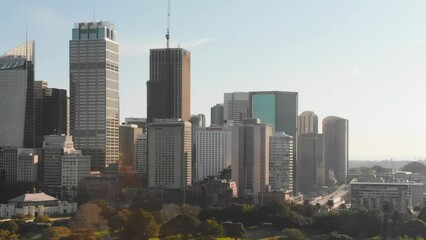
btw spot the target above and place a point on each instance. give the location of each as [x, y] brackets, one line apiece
[26, 36]
[168, 25]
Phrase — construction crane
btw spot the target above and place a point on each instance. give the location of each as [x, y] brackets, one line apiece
[168, 25]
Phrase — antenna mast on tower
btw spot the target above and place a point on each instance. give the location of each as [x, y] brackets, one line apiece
[168, 25]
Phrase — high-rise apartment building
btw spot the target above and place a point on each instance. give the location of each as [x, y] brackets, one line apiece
[279, 110]
[128, 137]
[168, 89]
[235, 107]
[50, 111]
[94, 98]
[17, 97]
[213, 151]
[250, 168]
[216, 115]
[336, 149]
[169, 155]
[281, 162]
[308, 122]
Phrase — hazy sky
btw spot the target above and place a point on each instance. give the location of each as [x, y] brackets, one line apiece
[361, 60]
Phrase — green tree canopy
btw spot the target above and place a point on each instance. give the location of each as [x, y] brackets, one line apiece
[42, 218]
[235, 230]
[181, 224]
[141, 225]
[56, 233]
[210, 228]
[414, 167]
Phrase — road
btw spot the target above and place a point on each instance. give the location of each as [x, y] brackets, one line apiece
[335, 196]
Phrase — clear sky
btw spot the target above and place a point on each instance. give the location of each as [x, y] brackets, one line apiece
[362, 60]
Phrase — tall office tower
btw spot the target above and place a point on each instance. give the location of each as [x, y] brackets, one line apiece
[213, 151]
[216, 115]
[310, 162]
[141, 152]
[281, 162]
[197, 121]
[54, 147]
[169, 89]
[169, 155]
[128, 136]
[235, 107]
[20, 164]
[140, 122]
[308, 122]
[75, 168]
[17, 97]
[336, 149]
[94, 100]
[251, 168]
[279, 110]
[51, 111]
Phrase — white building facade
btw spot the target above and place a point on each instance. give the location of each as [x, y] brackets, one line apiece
[213, 151]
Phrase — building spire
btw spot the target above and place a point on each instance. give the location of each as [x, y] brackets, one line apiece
[168, 24]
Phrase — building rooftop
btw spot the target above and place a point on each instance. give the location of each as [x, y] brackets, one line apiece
[33, 197]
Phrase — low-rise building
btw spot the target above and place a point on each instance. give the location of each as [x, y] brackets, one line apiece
[36, 204]
[373, 195]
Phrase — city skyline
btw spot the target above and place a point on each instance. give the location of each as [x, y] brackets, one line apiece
[360, 60]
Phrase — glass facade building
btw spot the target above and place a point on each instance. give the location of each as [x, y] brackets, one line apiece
[17, 97]
[94, 98]
[279, 110]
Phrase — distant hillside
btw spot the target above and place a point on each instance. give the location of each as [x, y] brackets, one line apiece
[395, 165]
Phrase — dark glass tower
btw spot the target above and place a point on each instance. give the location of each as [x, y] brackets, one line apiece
[168, 89]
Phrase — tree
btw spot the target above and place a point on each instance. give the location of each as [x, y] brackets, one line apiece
[42, 218]
[380, 169]
[292, 234]
[6, 235]
[210, 228]
[10, 226]
[235, 230]
[414, 167]
[119, 220]
[106, 210]
[330, 203]
[82, 234]
[88, 216]
[56, 233]
[181, 224]
[141, 225]
[19, 217]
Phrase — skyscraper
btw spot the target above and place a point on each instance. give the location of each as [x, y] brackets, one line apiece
[235, 107]
[50, 111]
[17, 97]
[310, 162]
[216, 115]
[250, 168]
[336, 149]
[94, 99]
[308, 122]
[169, 155]
[279, 110]
[168, 89]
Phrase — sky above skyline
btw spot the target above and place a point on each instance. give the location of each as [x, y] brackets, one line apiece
[358, 59]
